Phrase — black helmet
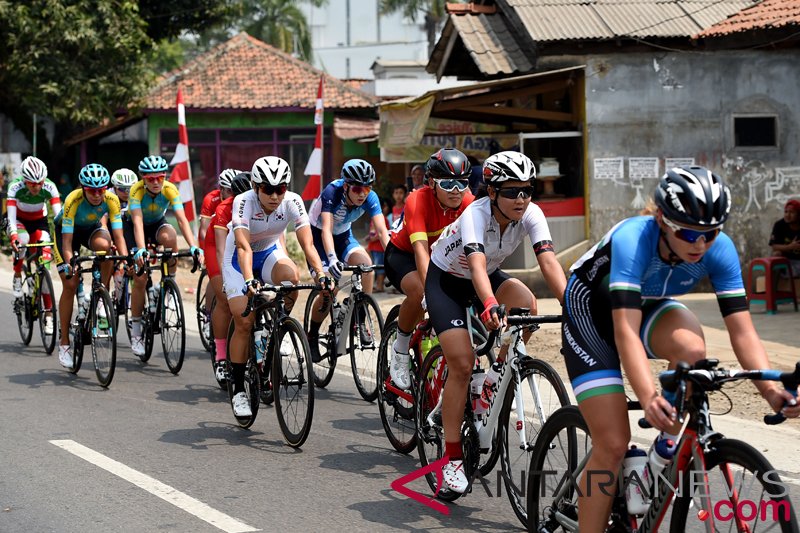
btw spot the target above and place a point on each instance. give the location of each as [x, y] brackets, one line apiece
[240, 183]
[693, 196]
[358, 172]
[448, 163]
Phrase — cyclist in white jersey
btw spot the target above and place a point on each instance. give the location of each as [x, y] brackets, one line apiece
[465, 265]
[253, 254]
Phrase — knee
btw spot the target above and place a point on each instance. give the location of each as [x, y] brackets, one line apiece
[609, 448]
[459, 369]
[693, 352]
[414, 291]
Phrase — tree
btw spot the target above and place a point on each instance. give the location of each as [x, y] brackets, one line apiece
[168, 20]
[434, 11]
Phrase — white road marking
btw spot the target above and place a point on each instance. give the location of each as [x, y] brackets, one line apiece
[157, 488]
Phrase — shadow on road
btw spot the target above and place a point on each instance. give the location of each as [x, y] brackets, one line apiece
[194, 395]
[340, 397]
[209, 434]
[369, 461]
[49, 376]
[362, 423]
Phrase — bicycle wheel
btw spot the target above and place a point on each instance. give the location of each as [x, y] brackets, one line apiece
[752, 495]
[76, 341]
[323, 370]
[203, 314]
[430, 434]
[562, 444]
[367, 322]
[46, 292]
[148, 327]
[542, 393]
[122, 304]
[292, 382]
[252, 382]
[24, 310]
[265, 366]
[173, 330]
[397, 413]
[103, 336]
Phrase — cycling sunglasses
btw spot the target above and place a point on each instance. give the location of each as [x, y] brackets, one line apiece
[451, 185]
[361, 189]
[690, 235]
[269, 189]
[95, 190]
[125, 190]
[154, 179]
[516, 192]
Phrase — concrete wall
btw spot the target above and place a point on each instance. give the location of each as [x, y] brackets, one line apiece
[681, 105]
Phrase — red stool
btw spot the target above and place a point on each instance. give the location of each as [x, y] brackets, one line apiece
[771, 268]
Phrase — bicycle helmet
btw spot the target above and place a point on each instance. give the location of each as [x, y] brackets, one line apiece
[358, 172]
[694, 196]
[448, 163]
[94, 175]
[241, 183]
[272, 170]
[124, 178]
[226, 176]
[508, 166]
[33, 170]
[153, 164]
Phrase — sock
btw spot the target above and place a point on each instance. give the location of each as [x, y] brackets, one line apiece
[222, 349]
[47, 300]
[18, 267]
[238, 377]
[136, 326]
[453, 450]
[313, 327]
[403, 339]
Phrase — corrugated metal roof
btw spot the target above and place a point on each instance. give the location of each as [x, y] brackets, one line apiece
[489, 41]
[767, 14]
[562, 19]
[709, 13]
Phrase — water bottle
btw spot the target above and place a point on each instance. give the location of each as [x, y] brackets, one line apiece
[152, 294]
[119, 275]
[633, 468]
[82, 304]
[428, 342]
[260, 341]
[658, 457]
[490, 386]
[476, 389]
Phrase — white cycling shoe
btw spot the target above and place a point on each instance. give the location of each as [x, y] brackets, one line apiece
[48, 325]
[65, 356]
[398, 368]
[454, 476]
[241, 405]
[137, 346]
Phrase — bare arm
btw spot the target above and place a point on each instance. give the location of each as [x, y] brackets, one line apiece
[327, 233]
[242, 239]
[380, 227]
[422, 258]
[186, 229]
[205, 222]
[119, 240]
[138, 227]
[306, 240]
[553, 274]
[221, 235]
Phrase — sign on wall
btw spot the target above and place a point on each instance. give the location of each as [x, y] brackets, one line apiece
[640, 168]
[608, 168]
[672, 162]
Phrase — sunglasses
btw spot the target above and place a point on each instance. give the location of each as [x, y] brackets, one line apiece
[451, 185]
[125, 190]
[154, 179]
[269, 190]
[516, 192]
[95, 190]
[361, 189]
[689, 235]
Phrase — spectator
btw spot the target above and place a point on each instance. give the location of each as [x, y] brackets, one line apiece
[417, 178]
[785, 237]
[399, 193]
[64, 185]
[476, 176]
[375, 248]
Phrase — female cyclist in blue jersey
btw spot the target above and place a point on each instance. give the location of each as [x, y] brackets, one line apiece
[618, 308]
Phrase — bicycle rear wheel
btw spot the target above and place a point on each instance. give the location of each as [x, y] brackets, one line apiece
[173, 329]
[122, 303]
[737, 474]
[252, 382]
[24, 310]
[292, 382]
[397, 413]
[103, 336]
[323, 370]
[367, 322]
[203, 313]
[46, 292]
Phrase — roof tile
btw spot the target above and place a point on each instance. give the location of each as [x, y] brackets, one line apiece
[769, 14]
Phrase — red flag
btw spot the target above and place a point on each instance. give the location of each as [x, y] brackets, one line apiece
[181, 172]
[314, 167]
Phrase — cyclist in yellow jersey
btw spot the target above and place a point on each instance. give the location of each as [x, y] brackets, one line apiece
[147, 203]
[79, 224]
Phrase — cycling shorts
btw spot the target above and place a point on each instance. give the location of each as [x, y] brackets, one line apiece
[263, 263]
[344, 244]
[448, 297]
[81, 236]
[32, 226]
[398, 264]
[150, 232]
[210, 254]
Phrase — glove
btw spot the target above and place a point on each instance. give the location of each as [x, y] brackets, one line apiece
[251, 284]
[490, 307]
[326, 283]
[335, 267]
[141, 253]
[195, 251]
[65, 269]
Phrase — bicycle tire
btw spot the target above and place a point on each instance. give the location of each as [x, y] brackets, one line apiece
[288, 387]
[391, 316]
[173, 326]
[124, 304]
[203, 317]
[24, 311]
[397, 415]
[735, 452]
[265, 367]
[252, 382]
[148, 324]
[516, 459]
[323, 370]
[104, 363]
[365, 364]
[45, 281]
[76, 342]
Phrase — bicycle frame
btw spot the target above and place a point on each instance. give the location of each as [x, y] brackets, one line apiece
[347, 309]
[416, 340]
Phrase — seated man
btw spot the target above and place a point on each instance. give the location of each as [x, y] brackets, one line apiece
[785, 237]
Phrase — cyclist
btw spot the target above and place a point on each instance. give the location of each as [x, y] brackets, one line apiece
[29, 198]
[619, 309]
[122, 180]
[341, 203]
[149, 200]
[427, 211]
[79, 224]
[465, 265]
[254, 254]
[214, 251]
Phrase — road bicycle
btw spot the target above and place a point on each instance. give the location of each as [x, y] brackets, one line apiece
[94, 319]
[203, 310]
[279, 364]
[163, 311]
[38, 298]
[708, 472]
[528, 391]
[340, 334]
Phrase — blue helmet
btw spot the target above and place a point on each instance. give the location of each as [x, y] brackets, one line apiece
[358, 172]
[153, 164]
[94, 175]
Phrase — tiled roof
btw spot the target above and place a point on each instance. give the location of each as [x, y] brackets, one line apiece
[768, 14]
[245, 73]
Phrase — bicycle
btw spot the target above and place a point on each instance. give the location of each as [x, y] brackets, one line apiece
[163, 311]
[31, 306]
[93, 322]
[332, 344]
[203, 312]
[276, 369]
[517, 417]
[705, 465]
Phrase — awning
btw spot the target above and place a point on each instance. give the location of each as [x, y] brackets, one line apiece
[349, 128]
[108, 127]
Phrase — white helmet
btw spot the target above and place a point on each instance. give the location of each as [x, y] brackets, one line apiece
[506, 166]
[124, 178]
[226, 177]
[33, 170]
[272, 170]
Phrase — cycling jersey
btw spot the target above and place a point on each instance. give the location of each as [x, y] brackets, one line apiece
[80, 213]
[264, 229]
[476, 229]
[424, 218]
[24, 205]
[332, 200]
[220, 219]
[154, 208]
[210, 203]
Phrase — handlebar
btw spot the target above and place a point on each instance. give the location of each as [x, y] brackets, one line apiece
[77, 260]
[21, 247]
[361, 269]
[166, 255]
[283, 288]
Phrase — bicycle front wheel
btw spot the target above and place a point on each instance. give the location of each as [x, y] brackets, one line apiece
[76, 343]
[363, 343]
[47, 310]
[737, 474]
[173, 330]
[322, 370]
[202, 309]
[24, 310]
[103, 336]
[397, 413]
[292, 382]
[148, 326]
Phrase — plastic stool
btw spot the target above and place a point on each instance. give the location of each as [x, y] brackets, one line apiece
[770, 268]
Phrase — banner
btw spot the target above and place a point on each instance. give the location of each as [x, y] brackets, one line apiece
[182, 172]
[403, 124]
[314, 166]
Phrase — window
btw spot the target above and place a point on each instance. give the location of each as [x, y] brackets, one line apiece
[755, 131]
